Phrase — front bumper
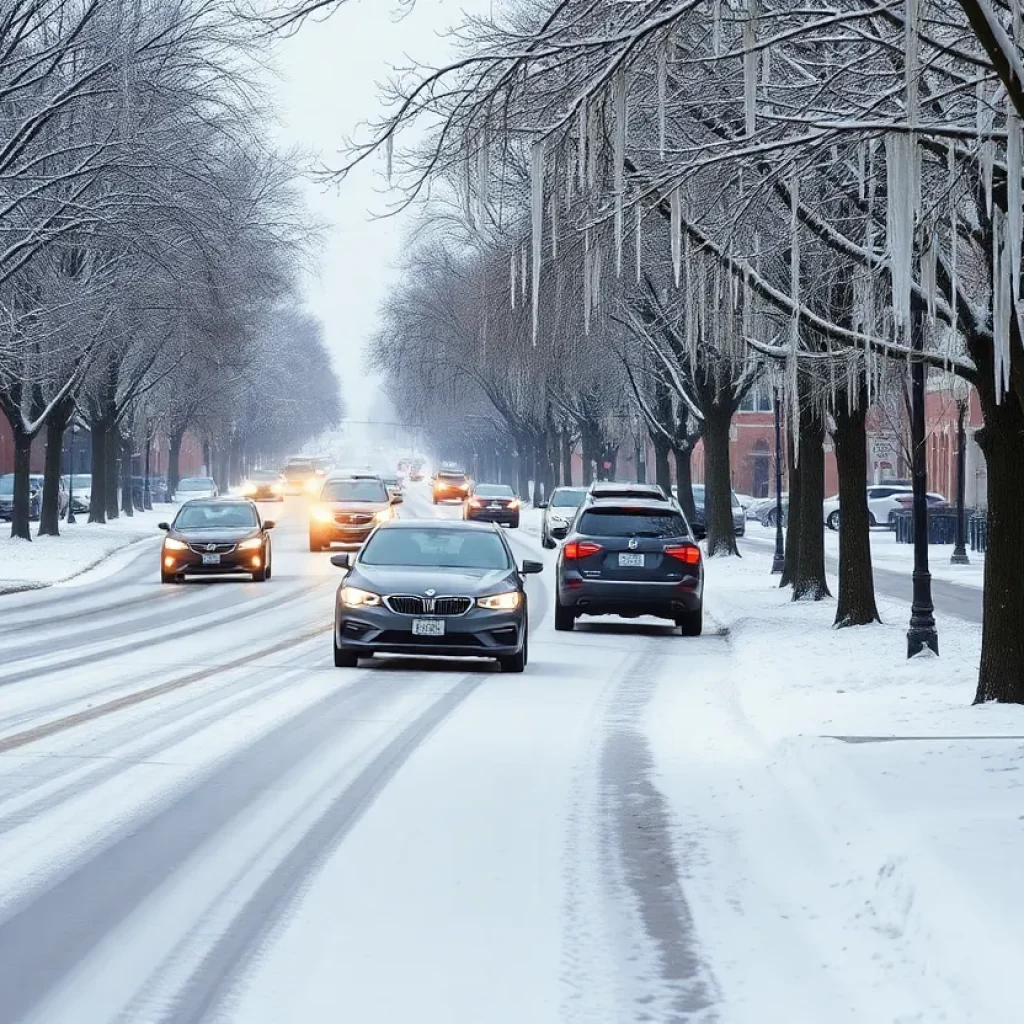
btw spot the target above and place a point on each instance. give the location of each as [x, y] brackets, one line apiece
[557, 531]
[347, 536]
[451, 493]
[478, 633]
[189, 563]
[616, 597]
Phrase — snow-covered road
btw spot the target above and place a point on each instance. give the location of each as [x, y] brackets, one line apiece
[201, 820]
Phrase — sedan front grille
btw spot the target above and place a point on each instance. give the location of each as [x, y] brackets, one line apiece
[352, 519]
[210, 549]
[409, 604]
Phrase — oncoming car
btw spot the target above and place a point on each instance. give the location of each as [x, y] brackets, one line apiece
[451, 485]
[448, 588]
[216, 537]
[348, 509]
[264, 485]
[196, 487]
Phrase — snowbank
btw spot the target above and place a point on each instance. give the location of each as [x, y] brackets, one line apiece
[81, 546]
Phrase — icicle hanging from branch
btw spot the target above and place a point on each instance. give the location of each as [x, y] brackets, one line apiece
[911, 62]
[638, 239]
[750, 67]
[523, 270]
[986, 146]
[954, 283]
[389, 155]
[716, 27]
[619, 95]
[513, 262]
[1014, 210]
[581, 160]
[536, 227]
[587, 296]
[662, 97]
[554, 225]
[794, 335]
[1001, 309]
[900, 167]
[676, 231]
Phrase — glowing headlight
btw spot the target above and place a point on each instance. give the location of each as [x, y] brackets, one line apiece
[170, 544]
[251, 544]
[313, 484]
[277, 489]
[506, 602]
[322, 515]
[248, 488]
[383, 515]
[353, 597]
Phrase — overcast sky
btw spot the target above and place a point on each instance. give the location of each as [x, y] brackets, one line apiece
[330, 71]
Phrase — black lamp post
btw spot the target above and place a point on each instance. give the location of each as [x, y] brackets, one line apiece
[71, 478]
[922, 632]
[779, 561]
[959, 556]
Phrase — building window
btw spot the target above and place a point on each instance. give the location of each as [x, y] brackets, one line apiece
[757, 399]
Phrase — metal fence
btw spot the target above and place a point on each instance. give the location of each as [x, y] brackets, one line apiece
[941, 526]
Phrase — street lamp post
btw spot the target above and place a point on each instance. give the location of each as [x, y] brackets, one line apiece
[779, 561]
[922, 632]
[71, 478]
[959, 556]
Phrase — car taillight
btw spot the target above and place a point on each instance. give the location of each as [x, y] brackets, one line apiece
[580, 549]
[514, 503]
[688, 553]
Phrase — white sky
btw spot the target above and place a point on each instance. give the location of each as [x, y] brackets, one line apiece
[330, 71]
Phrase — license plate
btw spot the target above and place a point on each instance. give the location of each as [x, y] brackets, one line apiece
[428, 627]
[628, 560]
[211, 559]
[494, 508]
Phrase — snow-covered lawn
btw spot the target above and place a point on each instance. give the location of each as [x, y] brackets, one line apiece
[887, 554]
[81, 546]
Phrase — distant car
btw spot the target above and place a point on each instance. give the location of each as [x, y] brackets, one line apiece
[196, 487]
[559, 510]
[451, 485]
[884, 501]
[264, 485]
[80, 491]
[614, 489]
[492, 503]
[416, 473]
[630, 557]
[392, 483]
[428, 587]
[700, 528]
[301, 475]
[348, 509]
[216, 537]
[35, 497]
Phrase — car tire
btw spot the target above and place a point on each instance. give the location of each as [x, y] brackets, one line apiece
[691, 623]
[832, 522]
[565, 618]
[516, 662]
[343, 658]
[169, 577]
[270, 566]
[315, 544]
[261, 575]
[514, 525]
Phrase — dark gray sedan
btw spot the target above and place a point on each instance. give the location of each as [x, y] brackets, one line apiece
[433, 587]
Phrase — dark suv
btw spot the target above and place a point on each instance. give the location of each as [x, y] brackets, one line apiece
[630, 558]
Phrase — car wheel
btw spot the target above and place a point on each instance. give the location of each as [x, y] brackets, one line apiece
[514, 525]
[270, 565]
[315, 544]
[691, 623]
[833, 520]
[261, 575]
[169, 577]
[565, 618]
[515, 662]
[343, 658]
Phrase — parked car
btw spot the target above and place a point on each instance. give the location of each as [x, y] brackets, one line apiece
[559, 511]
[196, 487]
[79, 491]
[884, 501]
[700, 528]
[769, 511]
[35, 498]
[630, 557]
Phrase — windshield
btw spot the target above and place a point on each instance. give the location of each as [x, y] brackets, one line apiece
[623, 522]
[233, 515]
[494, 491]
[698, 494]
[449, 477]
[7, 483]
[83, 480]
[568, 498]
[262, 474]
[434, 547]
[196, 483]
[354, 490]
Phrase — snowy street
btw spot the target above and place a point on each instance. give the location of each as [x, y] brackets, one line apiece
[201, 819]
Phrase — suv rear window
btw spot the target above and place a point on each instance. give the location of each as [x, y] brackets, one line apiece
[628, 522]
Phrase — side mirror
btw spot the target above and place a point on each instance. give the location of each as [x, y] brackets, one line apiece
[163, 526]
[342, 560]
[397, 499]
[531, 568]
[269, 524]
[541, 504]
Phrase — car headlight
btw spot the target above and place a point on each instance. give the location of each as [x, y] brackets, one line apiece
[506, 602]
[313, 484]
[322, 515]
[170, 544]
[277, 489]
[248, 488]
[383, 515]
[353, 597]
[251, 544]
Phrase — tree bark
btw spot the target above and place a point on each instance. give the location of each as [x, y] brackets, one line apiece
[856, 604]
[127, 502]
[100, 435]
[809, 583]
[684, 481]
[110, 488]
[792, 518]
[523, 466]
[589, 454]
[540, 467]
[22, 491]
[662, 471]
[49, 515]
[721, 538]
[174, 459]
[566, 440]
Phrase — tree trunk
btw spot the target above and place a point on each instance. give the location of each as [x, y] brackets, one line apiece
[662, 472]
[721, 538]
[110, 488]
[540, 468]
[684, 481]
[127, 501]
[856, 604]
[22, 490]
[523, 467]
[792, 518]
[810, 583]
[1001, 672]
[100, 434]
[49, 515]
[566, 440]
[174, 460]
[589, 454]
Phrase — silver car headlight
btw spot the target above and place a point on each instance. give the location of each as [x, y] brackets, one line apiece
[506, 602]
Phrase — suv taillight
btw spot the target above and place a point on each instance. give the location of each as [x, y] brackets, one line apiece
[688, 553]
[580, 549]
